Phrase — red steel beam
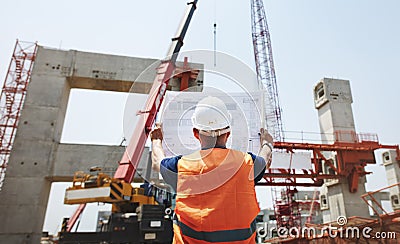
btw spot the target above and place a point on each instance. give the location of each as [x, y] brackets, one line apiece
[352, 157]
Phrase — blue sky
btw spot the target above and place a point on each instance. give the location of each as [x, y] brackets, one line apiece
[311, 39]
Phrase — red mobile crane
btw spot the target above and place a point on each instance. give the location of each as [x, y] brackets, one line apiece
[124, 198]
[136, 216]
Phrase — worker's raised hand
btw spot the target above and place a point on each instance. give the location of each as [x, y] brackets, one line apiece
[156, 133]
[265, 137]
[266, 146]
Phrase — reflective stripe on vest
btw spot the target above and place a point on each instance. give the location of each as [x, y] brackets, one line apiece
[220, 235]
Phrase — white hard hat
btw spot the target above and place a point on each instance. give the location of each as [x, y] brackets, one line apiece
[211, 116]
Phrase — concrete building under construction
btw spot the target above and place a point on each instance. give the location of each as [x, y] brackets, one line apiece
[33, 106]
[38, 158]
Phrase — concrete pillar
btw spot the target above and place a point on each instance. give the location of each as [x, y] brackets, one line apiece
[392, 167]
[333, 99]
[26, 189]
[38, 158]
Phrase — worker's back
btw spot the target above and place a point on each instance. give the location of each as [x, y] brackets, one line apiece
[216, 200]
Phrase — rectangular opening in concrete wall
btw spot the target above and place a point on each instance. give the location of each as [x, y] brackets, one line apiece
[319, 91]
[56, 211]
[97, 117]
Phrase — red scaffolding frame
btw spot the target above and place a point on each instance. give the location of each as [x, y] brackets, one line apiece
[12, 98]
[286, 208]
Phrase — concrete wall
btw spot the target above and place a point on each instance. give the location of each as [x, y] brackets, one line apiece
[392, 168]
[38, 158]
[333, 99]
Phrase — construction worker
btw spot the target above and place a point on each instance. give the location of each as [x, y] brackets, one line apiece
[216, 199]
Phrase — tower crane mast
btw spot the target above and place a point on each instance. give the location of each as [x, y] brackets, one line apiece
[265, 68]
[267, 78]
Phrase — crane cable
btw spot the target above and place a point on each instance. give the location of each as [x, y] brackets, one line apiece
[215, 33]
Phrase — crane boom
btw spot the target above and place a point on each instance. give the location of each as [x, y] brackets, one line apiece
[118, 190]
[133, 152]
[265, 68]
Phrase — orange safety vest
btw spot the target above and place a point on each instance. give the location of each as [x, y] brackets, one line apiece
[216, 200]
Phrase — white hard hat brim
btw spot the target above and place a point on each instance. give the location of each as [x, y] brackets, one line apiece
[215, 133]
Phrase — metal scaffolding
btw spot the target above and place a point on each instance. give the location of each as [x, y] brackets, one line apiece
[12, 98]
[286, 208]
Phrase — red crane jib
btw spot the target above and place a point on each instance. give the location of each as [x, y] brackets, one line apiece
[165, 72]
[130, 160]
